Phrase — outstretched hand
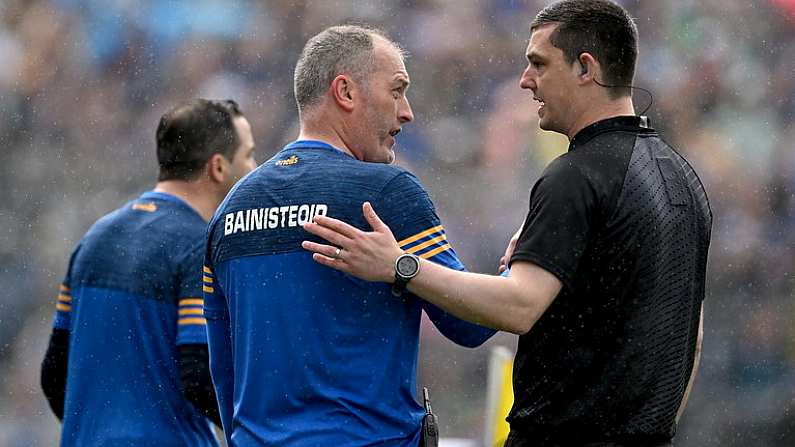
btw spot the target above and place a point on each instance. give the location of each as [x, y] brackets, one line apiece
[367, 255]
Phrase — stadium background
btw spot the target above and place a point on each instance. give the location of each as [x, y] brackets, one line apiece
[83, 82]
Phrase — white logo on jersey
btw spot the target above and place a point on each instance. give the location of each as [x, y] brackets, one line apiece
[271, 218]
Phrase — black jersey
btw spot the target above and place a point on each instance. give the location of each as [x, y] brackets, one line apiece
[624, 222]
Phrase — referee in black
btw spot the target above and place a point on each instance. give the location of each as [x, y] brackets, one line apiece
[607, 279]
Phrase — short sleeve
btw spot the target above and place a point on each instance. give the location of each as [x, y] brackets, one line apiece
[63, 301]
[406, 208]
[559, 223]
[409, 212]
[191, 325]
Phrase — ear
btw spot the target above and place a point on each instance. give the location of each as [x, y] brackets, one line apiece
[342, 90]
[217, 168]
[589, 67]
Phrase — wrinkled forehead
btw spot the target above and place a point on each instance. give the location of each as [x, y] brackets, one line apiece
[540, 37]
[388, 57]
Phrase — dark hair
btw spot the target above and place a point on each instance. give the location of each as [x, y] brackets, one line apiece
[599, 27]
[335, 50]
[189, 134]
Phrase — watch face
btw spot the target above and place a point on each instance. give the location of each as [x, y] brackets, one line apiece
[407, 266]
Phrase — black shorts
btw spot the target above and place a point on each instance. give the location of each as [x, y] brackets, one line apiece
[516, 439]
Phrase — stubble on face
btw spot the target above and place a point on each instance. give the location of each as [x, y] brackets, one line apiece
[380, 106]
[552, 79]
[242, 161]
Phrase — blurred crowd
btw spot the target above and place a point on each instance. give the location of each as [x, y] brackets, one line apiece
[83, 83]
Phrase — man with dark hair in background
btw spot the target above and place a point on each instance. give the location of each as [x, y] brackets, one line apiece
[607, 278]
[302, 355]
[127, 362]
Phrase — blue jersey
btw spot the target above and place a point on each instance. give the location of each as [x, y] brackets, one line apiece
[132, 293]
[301, 354]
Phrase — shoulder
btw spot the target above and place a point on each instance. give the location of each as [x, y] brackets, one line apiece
[109, 223]
[401, 179]
[567, 168]
[379, 175]
[176, 227]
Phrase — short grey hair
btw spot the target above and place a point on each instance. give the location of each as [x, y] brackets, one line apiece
[336, 50]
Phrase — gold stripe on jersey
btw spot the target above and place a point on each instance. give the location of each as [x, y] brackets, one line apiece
[63, 307]
[420, 235]
[184, 321]
[435, 251]
[426, 244]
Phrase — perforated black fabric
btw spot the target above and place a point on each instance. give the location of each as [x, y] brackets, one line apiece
[663, 198]
[611, 357]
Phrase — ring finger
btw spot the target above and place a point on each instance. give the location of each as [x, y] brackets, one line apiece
[325, 250]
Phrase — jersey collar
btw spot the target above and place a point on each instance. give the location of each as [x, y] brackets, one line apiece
[314, 144]
[166, 197]
[640, 124]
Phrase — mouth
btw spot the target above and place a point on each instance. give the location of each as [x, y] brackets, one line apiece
[394, 132]
[539, 100]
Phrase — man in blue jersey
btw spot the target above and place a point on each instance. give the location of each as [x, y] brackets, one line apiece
[127, 363]
[295, 360]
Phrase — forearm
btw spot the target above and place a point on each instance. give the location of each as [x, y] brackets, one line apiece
[512, 303]
[504, 303]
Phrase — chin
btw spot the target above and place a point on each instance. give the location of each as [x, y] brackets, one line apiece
[544, 124]
[387, 155]
[548, 126]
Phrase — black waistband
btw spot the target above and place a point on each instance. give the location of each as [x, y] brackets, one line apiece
[516, 439]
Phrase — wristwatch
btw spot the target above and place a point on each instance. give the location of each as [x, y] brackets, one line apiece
[407, 266]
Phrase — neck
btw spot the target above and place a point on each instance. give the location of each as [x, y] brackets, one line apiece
[197, 194]
[321, 128]
[608, 109]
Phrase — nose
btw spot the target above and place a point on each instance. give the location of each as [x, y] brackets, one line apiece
[405, 115]
[527, 81]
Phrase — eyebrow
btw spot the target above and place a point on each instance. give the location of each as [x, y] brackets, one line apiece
[401, 78]
[533, 55]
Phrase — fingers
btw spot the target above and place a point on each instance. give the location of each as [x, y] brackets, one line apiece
[337, 226]
[326, 233]
[338, 264]
[325, 250]
[372, 218]
[326, 255]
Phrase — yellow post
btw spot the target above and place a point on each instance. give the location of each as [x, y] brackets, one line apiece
[499, 396]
